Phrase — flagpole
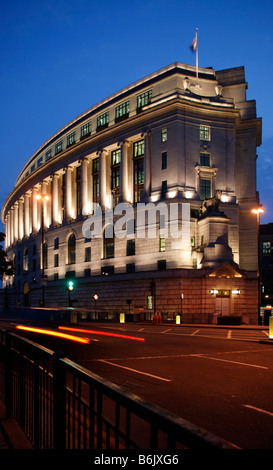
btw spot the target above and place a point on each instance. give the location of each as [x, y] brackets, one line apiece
[197, 55]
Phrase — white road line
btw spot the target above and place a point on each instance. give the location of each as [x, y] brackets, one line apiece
[259, 409]
[134, 370]
[194, 333]
[266, 333]
[229, 334]
[232, 362]
[165, 331]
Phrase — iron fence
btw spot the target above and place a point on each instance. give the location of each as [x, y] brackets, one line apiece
[61, 405]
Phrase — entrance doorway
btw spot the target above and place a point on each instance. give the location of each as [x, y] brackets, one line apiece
[222, 306]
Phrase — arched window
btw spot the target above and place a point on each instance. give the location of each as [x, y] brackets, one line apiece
[108, 242]
[71, 249]
[25, 260]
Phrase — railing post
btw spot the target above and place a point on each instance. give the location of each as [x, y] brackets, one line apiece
[59, 403]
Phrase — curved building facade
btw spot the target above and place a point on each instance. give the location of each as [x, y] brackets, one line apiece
[145, 201]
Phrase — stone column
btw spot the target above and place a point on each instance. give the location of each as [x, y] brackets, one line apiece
[21, 219]
[34, 210]
[55, 209]
[26, 215]
[68, 193]
[84, 187]
[15, 221]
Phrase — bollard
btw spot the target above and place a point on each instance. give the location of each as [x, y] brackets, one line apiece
[122, 317]
[270, 328]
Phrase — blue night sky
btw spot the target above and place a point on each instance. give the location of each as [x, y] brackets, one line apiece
[60, 57]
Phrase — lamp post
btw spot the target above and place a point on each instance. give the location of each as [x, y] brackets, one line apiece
[258, 211]
[43, 198]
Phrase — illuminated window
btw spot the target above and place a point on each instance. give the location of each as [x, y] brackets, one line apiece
[48, 154]
[71, 139]
[164, 135]
[71, 249]
[138, 153]
[162, 243]
[205, 133]
[103, 121]
[59, 147]
[122, 111]
[85, 130]
[205, 188]
[144, 99]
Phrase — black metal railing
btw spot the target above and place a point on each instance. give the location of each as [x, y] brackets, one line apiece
[61, 405]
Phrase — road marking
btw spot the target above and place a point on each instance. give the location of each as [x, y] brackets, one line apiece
[141, 329]
[266, 333]
[165, 331]
[226, 360]
[259, 409]
[229, 334]
[194, 333]
[136, 371]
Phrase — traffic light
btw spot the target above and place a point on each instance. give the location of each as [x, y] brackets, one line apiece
[70, 285]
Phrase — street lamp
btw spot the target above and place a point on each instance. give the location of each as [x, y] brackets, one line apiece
[258, 211]
[43, 198]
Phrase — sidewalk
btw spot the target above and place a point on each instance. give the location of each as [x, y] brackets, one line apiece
[11, 435]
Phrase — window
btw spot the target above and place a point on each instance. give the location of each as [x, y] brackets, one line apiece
[63, 196]
[161, 264]
[138, 153]
[56, 243]
[130, 267]
[164, 135]
[78, 190]
[192, 241]
[164, 189]
[40, 161]
[115, 175]
[71, 139]
[71, 249]
[59, 147]
[164, 160]
[108, 242]
[205, 188]
[122, 111]
[106, 270]
[56, 260]
[48, 154]
[56, 276]
[87, 254]
[34, 250]
[267, 247]
[87, 272]
[204, 133]
[144, 99]
[130, 247]
[85, 130]
[96, 180]
[204, 159]
[103, 121]
[162, 243]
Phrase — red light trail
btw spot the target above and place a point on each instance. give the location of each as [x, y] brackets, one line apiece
[103, 333]
[53, 333]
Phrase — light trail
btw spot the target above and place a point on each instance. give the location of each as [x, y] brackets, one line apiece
[103, 333]
[53, 333]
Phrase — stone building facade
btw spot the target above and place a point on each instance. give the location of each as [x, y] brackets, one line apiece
[145, 200]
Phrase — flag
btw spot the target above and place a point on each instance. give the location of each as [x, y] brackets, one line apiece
[194, 43]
